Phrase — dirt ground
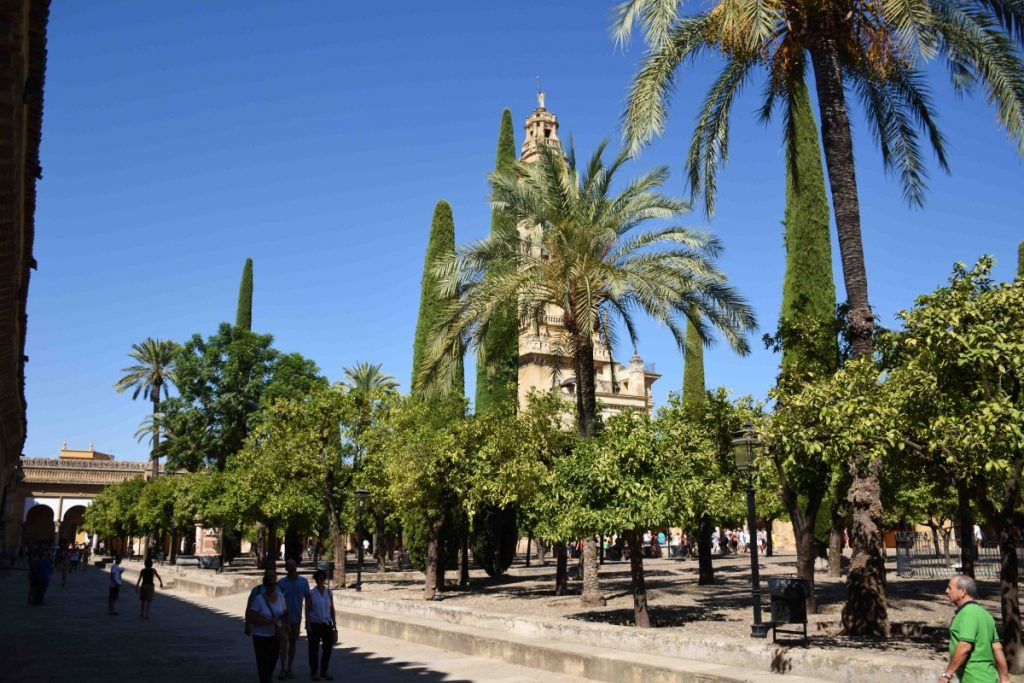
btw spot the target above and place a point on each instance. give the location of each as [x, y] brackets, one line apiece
[918, 607]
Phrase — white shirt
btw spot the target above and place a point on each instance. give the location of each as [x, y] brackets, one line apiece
[320, 606]
[267, 610]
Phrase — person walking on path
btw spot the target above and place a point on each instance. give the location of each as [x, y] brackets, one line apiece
[267, 612]
[975, 653]
[321, 627]
[115, 585]
[295, 589]
[147, 589]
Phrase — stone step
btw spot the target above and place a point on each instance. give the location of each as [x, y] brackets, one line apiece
[589, 662]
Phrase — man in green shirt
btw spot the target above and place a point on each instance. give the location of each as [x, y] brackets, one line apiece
[975, 653]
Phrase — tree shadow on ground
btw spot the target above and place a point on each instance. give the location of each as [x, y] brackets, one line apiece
[661, 617]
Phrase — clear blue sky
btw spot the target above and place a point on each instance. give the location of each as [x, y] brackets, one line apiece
[181, 138]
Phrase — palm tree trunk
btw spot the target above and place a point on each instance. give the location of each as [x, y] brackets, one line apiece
[156, 432]
[586, 391]
[636, 575]
[865, 612]
[591, 581]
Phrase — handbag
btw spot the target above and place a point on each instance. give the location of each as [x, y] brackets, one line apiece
[334, 634]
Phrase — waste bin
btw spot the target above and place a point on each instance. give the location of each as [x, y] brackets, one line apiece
[788, 606]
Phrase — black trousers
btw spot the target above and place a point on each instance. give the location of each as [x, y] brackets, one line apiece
[320, 637]
[266, 648]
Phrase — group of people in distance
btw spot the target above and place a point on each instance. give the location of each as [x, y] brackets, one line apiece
[44, 560]
[731, 541]
[273, 617]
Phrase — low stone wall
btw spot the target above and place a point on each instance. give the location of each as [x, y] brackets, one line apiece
[847, 665]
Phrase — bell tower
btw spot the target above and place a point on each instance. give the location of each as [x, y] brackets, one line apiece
[541, 129]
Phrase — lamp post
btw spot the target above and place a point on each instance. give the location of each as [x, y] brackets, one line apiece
[361, 496]
[744, 447]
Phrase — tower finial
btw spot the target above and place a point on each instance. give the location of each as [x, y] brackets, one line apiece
[540, 95]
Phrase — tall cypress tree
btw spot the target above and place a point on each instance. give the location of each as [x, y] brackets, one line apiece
[497, 361]
[441, 243]
[243, 318]
[693, 368]
[809, 290]
[1020, 261]
[807, 323]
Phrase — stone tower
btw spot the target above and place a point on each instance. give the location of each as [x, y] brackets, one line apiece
[544, 362]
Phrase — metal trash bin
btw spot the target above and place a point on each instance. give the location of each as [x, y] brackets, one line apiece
[788, 603]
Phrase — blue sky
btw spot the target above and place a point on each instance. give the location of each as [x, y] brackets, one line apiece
[181, 138]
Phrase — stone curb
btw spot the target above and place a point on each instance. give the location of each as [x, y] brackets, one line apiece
[760, 658]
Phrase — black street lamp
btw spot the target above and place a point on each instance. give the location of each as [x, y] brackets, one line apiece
[744, 449]
[361, 496]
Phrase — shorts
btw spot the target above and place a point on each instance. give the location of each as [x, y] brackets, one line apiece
[114, 591]
[147, 592]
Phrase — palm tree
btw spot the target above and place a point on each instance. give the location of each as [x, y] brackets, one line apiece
[367, 376]
[153, 374]
[875, 50]
[581, 257]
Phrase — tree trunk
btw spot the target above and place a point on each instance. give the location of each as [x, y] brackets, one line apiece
[705, 569]
[173, 555]
[292, 543]
[586, 390]
[769, 544]
[561, 568]
[866, 611]
[430, 583]
[591, 581]
[529, 542]
[965, 520]
[636, 575]
[272, 545]
[803, 529]
[338, 554]
[156, 433]
[934, 527]
[497, 526]
[1009, 602]
[464, 561]
[835, 541]
[378, 543]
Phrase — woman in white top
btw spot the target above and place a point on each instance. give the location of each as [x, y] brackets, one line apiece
[265, 612]
[320, 626]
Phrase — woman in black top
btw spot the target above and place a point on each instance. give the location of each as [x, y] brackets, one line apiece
[148, 589]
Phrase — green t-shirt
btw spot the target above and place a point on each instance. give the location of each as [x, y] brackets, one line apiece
[973, 624]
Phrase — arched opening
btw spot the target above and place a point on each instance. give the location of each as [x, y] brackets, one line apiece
[71, 526]
[38, 525]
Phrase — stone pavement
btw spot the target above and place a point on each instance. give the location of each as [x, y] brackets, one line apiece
[188, 638]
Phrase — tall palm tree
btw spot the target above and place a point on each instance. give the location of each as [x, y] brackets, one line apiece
[583, 255]
[875, 50]
[153, 374]
[580, 255]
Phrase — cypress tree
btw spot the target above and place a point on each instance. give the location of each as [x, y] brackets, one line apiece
[243, 318]
[497, 361]
[1020, 261]
[807, 323]
[809, 291]
[693, 368]
[441, 243]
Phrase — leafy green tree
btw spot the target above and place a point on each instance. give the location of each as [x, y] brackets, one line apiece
[114, 512]
[243, 318]
[153, 373]
[418, 460]
[959, 364]
[223, 380]
[584, 255]
[433, 300]
[497, 364]
[879, 53]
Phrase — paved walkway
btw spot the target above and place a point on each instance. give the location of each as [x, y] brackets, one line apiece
[71, 639]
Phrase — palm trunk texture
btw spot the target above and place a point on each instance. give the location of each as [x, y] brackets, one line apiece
[865, 612]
